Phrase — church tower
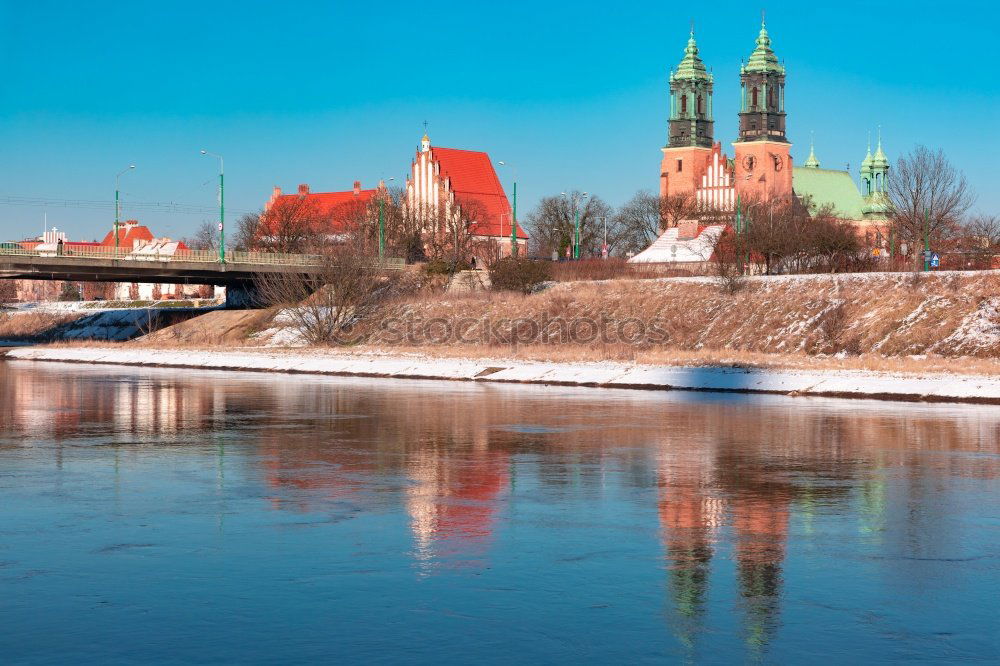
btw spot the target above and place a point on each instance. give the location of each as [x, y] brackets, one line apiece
[690, 101]
[874, 182]
[690, 134]
[763, 160]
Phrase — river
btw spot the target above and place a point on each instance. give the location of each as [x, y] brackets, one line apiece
[153, 515]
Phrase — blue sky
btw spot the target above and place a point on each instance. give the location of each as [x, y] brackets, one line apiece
[573, 94]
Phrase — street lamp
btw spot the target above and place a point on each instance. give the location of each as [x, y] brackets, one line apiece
[222, 207]
[381, 223]
[576, 223]
[117, 205]
[513, 227]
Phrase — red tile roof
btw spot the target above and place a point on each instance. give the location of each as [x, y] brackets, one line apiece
[127, 234]
[475, 184]
[327, 205]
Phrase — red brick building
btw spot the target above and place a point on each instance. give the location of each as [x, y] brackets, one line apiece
[447, 184]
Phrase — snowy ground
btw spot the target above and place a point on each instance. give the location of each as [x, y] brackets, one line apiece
[846, 383]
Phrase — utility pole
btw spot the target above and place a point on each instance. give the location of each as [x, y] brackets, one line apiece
[576, 222]
[927, 240]
[604, 250]
[576, 232]
[381, 228]
[513, 226]
[739, 240]
[222, 206]
[117, 206]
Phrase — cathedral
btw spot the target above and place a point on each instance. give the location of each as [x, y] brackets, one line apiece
[761, 168]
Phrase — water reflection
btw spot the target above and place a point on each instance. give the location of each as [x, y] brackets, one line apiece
[757, 505]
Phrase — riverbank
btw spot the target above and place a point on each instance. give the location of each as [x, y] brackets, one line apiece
[928, 387]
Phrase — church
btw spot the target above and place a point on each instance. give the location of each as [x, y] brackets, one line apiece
[761, 168]
[451, 183]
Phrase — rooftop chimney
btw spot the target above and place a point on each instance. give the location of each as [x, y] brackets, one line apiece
[357, 187]
[303, 189]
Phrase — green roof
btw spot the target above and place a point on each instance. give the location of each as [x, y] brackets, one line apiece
[763, 58]
[829, 187]
[691, 67]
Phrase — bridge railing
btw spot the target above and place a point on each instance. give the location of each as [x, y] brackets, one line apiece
[194, 256]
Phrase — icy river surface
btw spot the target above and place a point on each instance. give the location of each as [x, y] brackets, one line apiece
[154, 515]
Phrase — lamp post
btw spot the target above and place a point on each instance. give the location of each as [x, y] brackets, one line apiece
[576, 223]
[927, 240]
[222, 206]
[381, 223]
[604, 250]
[513, 227]
[117, 205]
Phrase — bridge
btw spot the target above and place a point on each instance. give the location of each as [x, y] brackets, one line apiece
[237, 273]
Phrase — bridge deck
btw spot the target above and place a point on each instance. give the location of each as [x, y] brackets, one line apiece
[184, 267]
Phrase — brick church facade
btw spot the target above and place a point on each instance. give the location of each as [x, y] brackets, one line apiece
[761, 168]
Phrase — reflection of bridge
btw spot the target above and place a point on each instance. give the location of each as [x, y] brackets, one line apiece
[183, 267]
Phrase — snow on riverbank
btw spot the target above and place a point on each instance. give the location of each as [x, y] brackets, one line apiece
[845, 383]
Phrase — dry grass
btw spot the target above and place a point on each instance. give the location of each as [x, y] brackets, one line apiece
[610, 269]
[28, 325]
[945, 323]
[885, 314]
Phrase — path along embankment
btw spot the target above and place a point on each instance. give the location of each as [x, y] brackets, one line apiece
[827, 383]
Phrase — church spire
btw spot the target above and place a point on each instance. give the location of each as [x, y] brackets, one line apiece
[812, 162]
[866, 164]
[763, 59]
[691, 122]
[880, 160]
[762, 111]
[875, 181]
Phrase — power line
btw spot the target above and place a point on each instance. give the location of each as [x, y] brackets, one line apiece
[149, 206]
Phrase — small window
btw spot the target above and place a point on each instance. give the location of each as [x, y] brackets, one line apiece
[754, 98]
[684, 104]
[680, 165]
[701, 109]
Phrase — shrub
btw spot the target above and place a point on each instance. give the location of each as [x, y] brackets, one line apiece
[442, 267]
[515, 274]
[69, 292]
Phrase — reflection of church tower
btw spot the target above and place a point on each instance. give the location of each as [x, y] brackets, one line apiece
[689, 141]
[761, 527]
[689, 515]
[763, 162]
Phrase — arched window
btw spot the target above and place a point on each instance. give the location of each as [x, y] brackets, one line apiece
[684, 104]
[754, 104]
[770, 98]
[868, 186]
[701, 109]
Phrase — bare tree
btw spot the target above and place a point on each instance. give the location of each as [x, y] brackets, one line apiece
[8, 291]
[293, 224]
[332, 302]
[728, 262]
[678, 207]
[638, 223]
[206, 237]
[245, 237]
[979, 241]
[553, 223]
[929, 197]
